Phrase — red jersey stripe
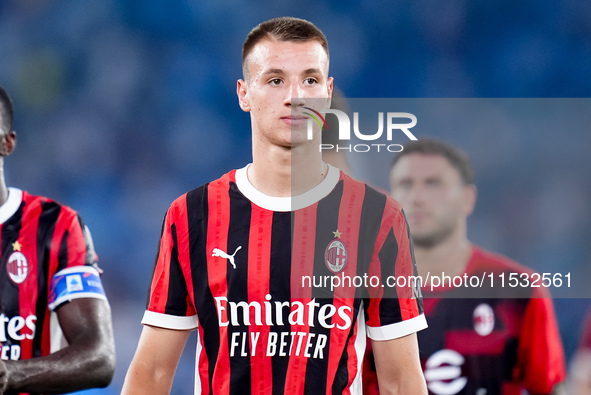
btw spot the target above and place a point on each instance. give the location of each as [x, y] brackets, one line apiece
[304, 244]
[353, 205]
[161, 276]
[182, 234]
[259, 258]
[348, 227]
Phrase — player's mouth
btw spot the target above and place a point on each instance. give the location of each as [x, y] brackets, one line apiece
[416, 216]
[295, 120]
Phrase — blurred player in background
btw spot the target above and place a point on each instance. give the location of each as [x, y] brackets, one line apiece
[55, 321]
[233, 253]
[474, 345]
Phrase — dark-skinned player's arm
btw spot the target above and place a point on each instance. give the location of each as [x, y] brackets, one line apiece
[88, 361]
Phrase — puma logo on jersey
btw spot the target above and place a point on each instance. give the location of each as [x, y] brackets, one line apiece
[220, 253]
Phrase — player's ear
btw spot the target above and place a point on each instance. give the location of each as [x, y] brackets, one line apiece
[470, 195]
[8, 143]
[242, 92]
[329, 87]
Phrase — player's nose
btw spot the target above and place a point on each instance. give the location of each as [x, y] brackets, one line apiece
[416, 195]
[295, 94]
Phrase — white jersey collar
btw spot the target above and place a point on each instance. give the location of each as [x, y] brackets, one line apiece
[290, 203]
[7, 210]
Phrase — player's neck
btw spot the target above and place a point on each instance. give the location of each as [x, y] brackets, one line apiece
[451, 256]
[281, 172]
[3, 188]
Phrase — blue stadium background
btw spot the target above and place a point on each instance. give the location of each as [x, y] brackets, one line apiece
[122, 105]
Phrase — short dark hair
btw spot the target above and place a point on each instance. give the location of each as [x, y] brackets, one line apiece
[455, 156]
[285, 28]
[6, 111]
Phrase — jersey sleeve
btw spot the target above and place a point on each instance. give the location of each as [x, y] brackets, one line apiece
[395, 307]
[73, 261]
[169, 304]
[540, 359]
[73, 243]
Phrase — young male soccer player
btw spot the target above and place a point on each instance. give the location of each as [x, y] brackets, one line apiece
[233, 254]
[479, 341]
[50, 291]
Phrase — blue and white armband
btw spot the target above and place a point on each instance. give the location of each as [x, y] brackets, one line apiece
[74, 283]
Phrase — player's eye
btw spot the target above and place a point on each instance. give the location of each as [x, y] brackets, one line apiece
[275, 81]
[433, 182]
[404, 184]
[310, 81]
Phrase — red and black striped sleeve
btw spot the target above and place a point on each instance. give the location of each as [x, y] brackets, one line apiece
[396, 309]
[169, 302]
[71, 243]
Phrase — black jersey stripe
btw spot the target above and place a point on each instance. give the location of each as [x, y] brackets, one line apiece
[389, 305]
[62, 256]
[326, 223]
[371, 218]
[9, 294]
[176, 301]
[280, 288]
[415, 271]
[197, 213]
[50, 212]
[237, 280]
[342, 377]
[90, 256]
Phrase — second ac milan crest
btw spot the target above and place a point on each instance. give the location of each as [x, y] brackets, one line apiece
[483, 319]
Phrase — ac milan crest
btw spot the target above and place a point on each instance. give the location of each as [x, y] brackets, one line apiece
[17, 267]
[483, 319]
[335, 255]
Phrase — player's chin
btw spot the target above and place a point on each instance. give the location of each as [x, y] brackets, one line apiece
[298, 133]
[293, 140]
[420, 235]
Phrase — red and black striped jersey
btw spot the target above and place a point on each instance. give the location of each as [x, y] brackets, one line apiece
[39, 237]
[488, 345]
[257, 276]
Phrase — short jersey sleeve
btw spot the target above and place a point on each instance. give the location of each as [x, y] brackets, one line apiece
[169, 302]
[540, 359]
[73, 261]
[72, 244]
[395, 307]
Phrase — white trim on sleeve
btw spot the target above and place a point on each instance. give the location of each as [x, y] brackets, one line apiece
[399, 329]
[170, 321]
